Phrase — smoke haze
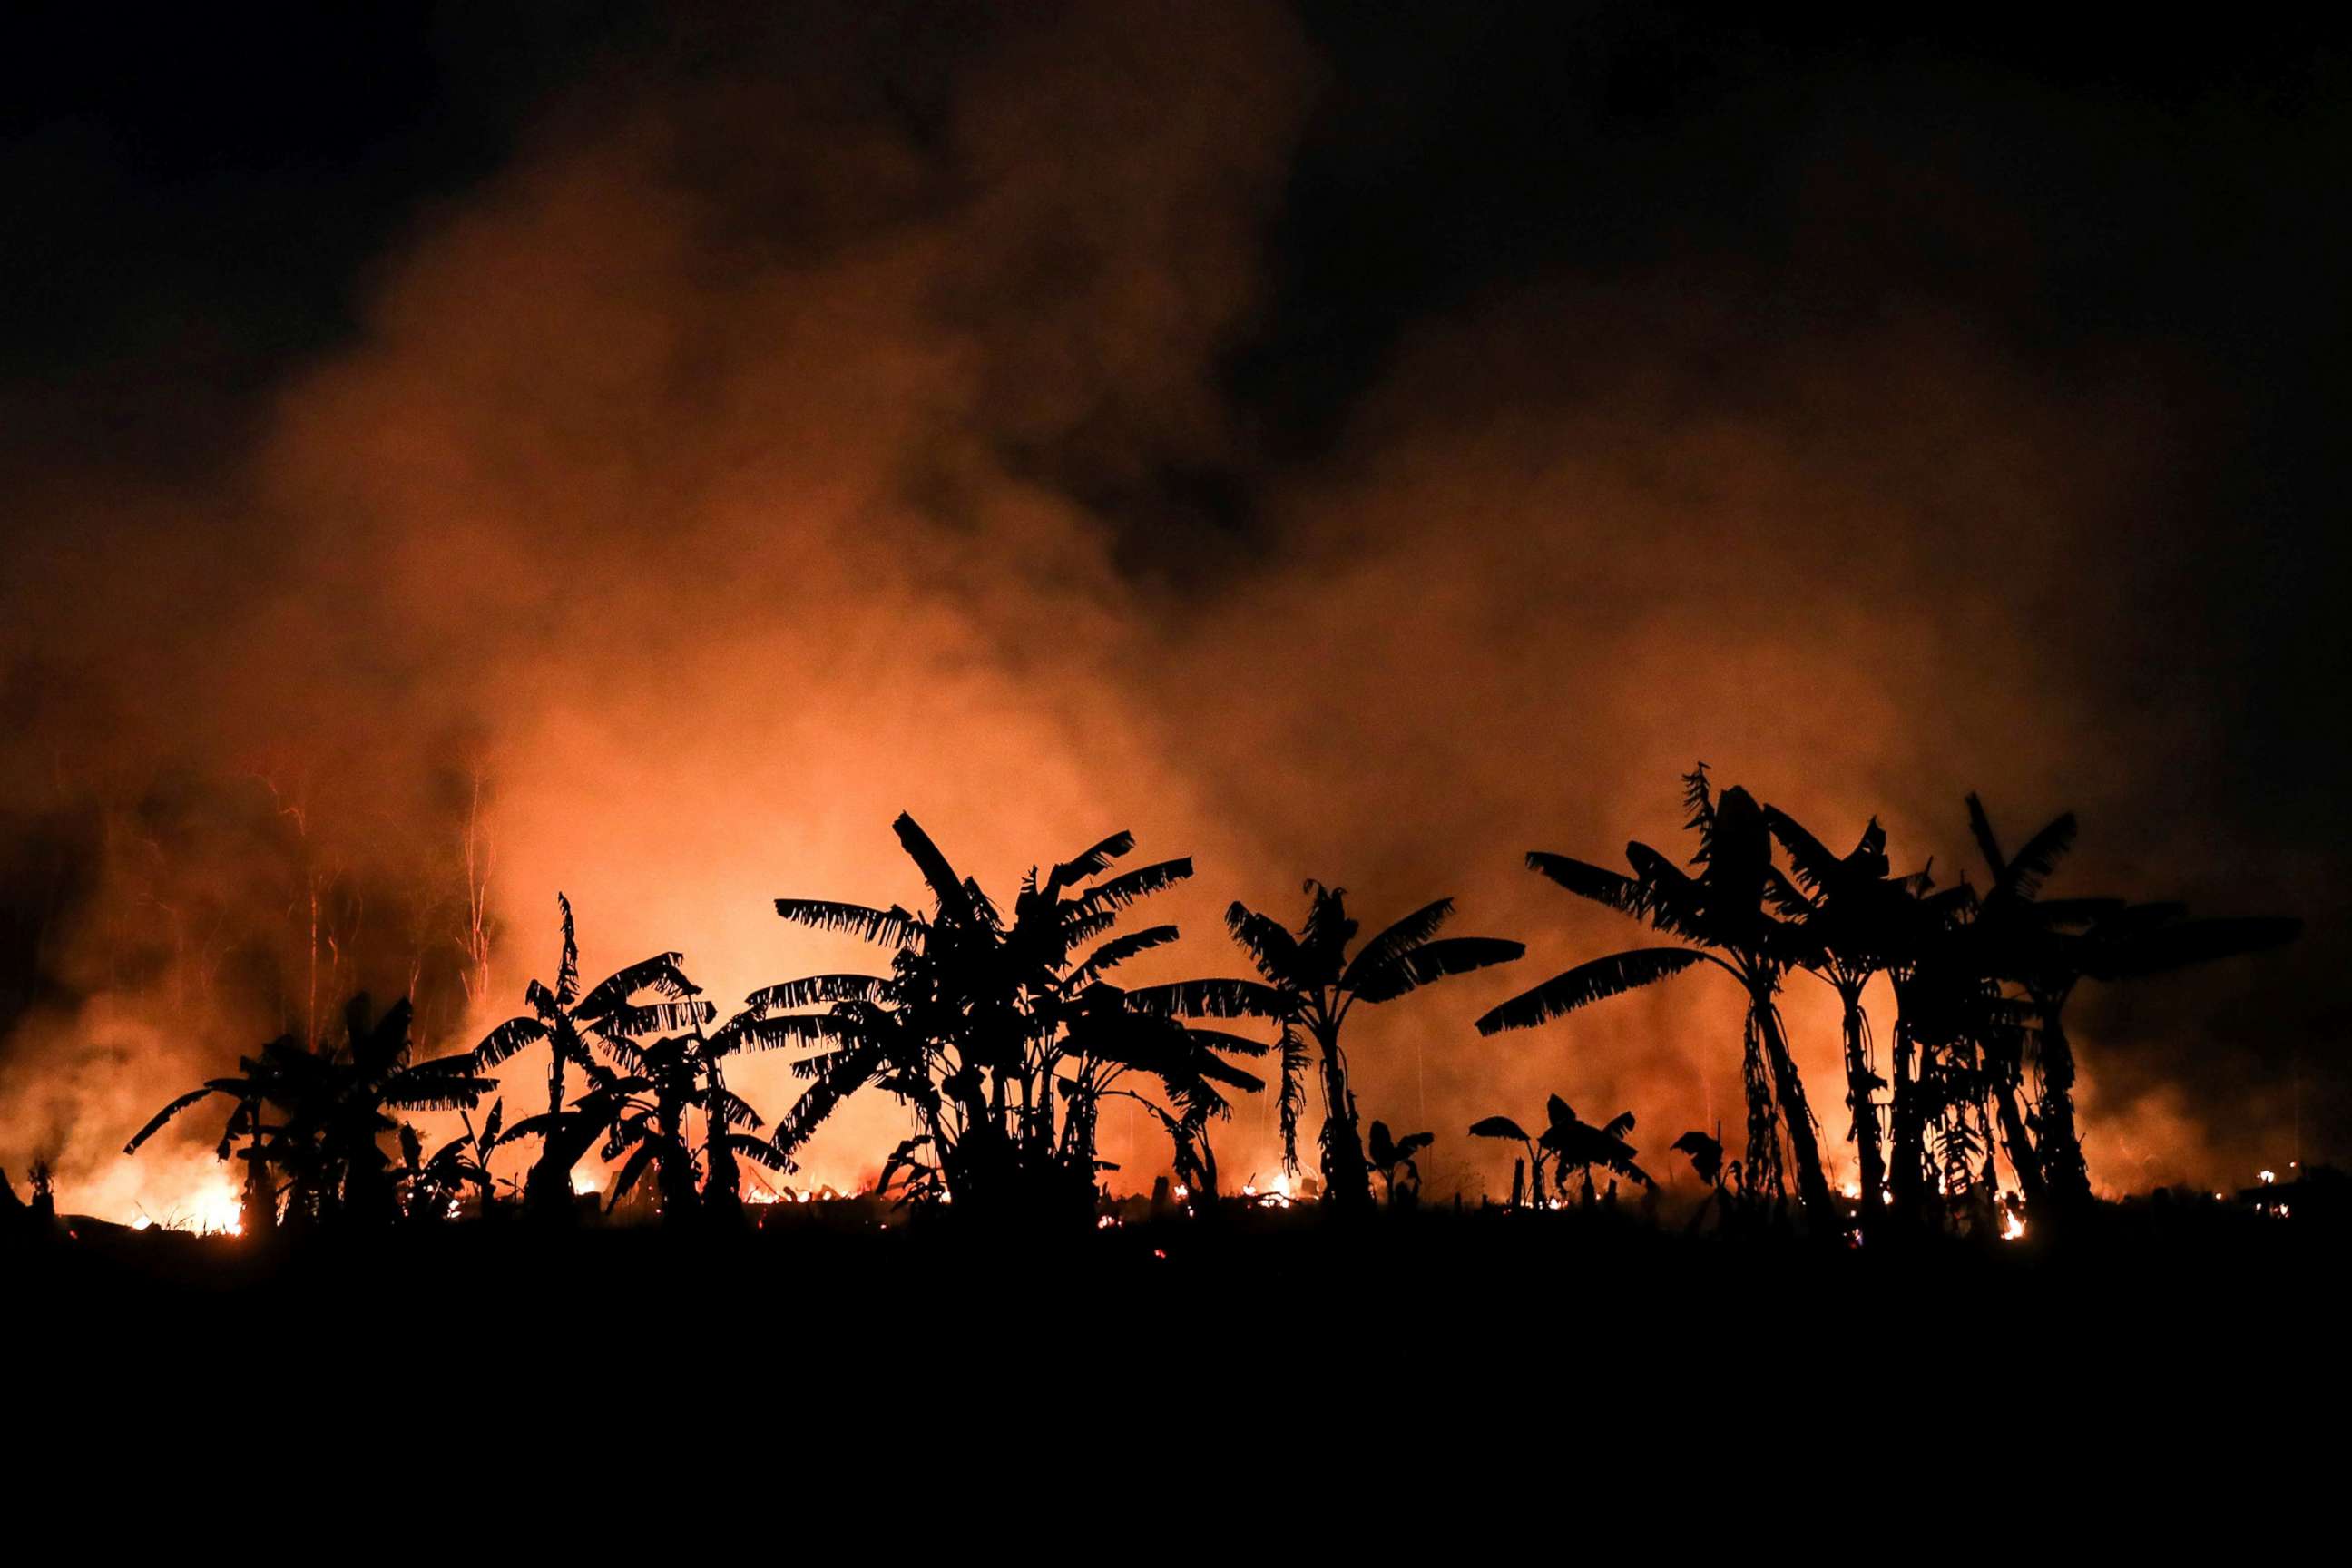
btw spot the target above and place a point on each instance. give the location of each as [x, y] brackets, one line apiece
[969, 413]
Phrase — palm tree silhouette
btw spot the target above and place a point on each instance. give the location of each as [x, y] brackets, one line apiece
[2046, 947]
[1530, 1165]
[1315, 984]
[1848, 907]
[2009, 928]
[1191, 1160]
[569, 1024]
[663, 1083]
[252, 1087]
[335, 1106]
[348, 1099]
[1722, 914]
[1004, 1037]
[1943, 1005]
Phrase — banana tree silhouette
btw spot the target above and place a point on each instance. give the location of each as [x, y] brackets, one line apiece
[1705, 1152]
[1575, 1142]
[1193, 1160]
[252, 1089]
[431, 1186]
[1943, 1005]
[730, 1126]
[1317, 983]
[1002, 1037]
[2048, 946]
[334, 1105]
[1568, 1139]
[1535, 1158]
[649, 1125]
[2012, 929]
[567, 1136]
[569, 1024]
[1388, 1153]
[663, 1083]
[1849, 906]
[349, 1094]
[1112, 1038]
[1723, 915]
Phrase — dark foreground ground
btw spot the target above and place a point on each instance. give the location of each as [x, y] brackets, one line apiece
[1594, 1350]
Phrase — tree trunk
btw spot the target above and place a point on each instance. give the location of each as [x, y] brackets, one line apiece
[673, 1166]
[1347, 1179]
[1863, 1109]
[2064, 1170]
[1906, 1177]
[1813, 1184]
[1761, 1176]
[259, 1213]
[2022, 1156]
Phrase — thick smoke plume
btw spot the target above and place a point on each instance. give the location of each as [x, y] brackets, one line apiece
[776, 445]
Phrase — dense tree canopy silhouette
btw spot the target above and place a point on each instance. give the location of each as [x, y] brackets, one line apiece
[333, 1107]
[1005, 1037]
[1004, 1034]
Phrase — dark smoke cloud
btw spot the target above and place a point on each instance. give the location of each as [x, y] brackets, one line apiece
[874, 410]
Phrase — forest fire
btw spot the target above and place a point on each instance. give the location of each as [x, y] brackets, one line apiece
[651, 1055]
[630, 662]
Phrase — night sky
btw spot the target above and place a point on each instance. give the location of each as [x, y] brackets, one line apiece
[1360, 442]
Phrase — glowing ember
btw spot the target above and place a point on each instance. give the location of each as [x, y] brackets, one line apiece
[1277, 1196]
[2012, 1225]
[582, 1184]
[764, 1195]
[2266, 1177]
